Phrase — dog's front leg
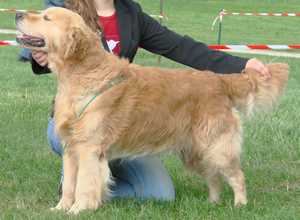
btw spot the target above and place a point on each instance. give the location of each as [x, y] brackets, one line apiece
[70, 163]
[92, 179]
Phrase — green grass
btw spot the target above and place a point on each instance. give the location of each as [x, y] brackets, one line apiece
[29, 171]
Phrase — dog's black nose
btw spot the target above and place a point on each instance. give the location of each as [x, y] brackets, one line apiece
[20, 16]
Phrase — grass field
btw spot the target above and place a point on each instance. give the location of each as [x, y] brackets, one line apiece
[29, 171]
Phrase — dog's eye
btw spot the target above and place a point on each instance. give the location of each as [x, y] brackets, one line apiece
[46, 18]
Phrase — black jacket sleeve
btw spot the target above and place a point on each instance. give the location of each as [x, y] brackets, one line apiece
[183, 49]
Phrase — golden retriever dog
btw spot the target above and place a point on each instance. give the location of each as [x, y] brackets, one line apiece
[107, 108]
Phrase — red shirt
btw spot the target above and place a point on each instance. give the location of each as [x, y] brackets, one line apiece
[110, 30]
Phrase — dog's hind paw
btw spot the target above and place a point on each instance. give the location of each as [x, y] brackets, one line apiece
[240, 203]
[214, 200]
[63, 205]
[81, 205]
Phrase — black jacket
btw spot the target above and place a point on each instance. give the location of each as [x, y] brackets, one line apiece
[137, 29]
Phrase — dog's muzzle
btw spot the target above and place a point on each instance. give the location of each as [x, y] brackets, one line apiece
[28, 40]
[25, 39]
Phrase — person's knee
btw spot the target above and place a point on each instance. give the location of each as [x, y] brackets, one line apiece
[163, 192]
[154, 181]
[53, 139]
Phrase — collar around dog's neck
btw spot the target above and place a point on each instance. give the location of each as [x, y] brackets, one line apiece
[112, 82]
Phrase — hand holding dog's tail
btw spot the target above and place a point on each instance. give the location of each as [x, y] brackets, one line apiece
[251, 92]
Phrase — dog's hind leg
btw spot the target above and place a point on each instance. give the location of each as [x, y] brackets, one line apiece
[69, 182]
[92, 179]
[216, 152]
[225, 157]
[235, 178]
[194, 161]
[193, 158]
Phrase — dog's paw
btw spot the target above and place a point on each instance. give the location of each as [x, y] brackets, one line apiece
[64, 204]
[84, 204]
[240, 202]
[214, 200]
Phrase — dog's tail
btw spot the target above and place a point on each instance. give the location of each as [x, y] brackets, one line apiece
[251, 92]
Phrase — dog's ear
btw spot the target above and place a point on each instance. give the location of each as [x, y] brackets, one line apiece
[77, 44]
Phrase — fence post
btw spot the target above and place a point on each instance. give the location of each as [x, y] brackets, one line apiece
[219, 32]
[161, 13]
[220, 26]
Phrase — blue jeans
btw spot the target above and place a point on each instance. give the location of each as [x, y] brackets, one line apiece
[54, 3]
[142, 178]
[25, 54]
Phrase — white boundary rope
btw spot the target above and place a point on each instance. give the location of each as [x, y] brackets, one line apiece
[13, 10]
[8, 31]
[281, 14]
[268, 53]
[8, 43]
[255, 47]
[223, 13]
[218, 18]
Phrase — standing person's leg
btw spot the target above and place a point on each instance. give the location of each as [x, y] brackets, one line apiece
[54, 3]
[141, 178]
[25, 55]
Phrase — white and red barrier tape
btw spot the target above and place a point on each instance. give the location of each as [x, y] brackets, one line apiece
[8, 31]
[281, 14]
[8, 43]
[215, 47]
[254, 47]
[223, 13]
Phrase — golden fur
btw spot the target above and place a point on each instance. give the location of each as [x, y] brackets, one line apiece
[194, 113]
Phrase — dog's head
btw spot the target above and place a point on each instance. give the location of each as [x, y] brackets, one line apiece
[55, 30]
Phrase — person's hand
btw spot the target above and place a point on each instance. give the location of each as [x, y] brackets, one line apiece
[40, 57]
[259, 67]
